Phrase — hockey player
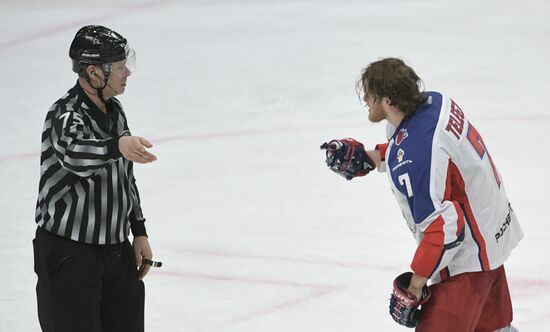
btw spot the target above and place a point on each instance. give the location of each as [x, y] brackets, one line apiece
[89, 275]
[451, 195]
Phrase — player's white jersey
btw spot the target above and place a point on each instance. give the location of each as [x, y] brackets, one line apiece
[450, 192]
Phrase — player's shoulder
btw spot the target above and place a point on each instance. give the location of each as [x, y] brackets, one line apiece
[438, 119]
[438, 100]
[424, 121]
[433, 100]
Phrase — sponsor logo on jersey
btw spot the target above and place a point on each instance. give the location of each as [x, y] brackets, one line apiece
[400, 155]
[400, 162]
[505, 224]
[401, 136]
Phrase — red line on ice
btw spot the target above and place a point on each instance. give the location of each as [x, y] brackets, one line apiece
[282, 259]
[77, 24]
[314, 291]
[523, 286]
[245, 280]
[282, 306]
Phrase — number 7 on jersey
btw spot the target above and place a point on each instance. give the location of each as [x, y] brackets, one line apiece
[406, 181]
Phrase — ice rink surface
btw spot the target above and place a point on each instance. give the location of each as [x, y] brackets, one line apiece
[255, 233]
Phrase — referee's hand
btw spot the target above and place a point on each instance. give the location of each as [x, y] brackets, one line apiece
[142, 250]
[134, 149]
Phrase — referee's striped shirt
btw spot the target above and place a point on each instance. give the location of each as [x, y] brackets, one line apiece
[87, 190]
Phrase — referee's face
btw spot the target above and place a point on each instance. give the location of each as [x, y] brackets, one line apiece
[116, 83]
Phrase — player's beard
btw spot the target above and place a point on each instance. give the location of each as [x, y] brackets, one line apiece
[376, 113]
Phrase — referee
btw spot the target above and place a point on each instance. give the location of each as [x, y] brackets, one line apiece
[89, 275]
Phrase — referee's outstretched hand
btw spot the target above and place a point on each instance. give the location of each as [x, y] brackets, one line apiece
[134, 149]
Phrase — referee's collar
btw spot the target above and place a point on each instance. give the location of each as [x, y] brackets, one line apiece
[92, 108]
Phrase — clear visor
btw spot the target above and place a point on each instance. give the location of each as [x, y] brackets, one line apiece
[126, 66]
[131, 60]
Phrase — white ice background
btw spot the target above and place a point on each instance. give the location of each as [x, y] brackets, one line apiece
[255, 233]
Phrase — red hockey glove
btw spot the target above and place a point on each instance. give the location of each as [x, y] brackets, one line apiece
[348, 158]
[404, 304]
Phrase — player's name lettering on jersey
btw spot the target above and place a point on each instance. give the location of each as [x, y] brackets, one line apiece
[456, 121]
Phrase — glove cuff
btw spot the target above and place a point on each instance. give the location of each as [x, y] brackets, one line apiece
[400, 290]
[402, 283]
[404, 304]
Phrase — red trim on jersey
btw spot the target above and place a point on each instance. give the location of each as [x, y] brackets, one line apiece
[457, 193]
[448, 195]
[428, 253]
[382, 148]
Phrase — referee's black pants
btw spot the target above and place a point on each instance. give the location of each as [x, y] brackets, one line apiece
[87, 288]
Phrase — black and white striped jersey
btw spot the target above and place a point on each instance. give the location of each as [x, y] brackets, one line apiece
[87, 190]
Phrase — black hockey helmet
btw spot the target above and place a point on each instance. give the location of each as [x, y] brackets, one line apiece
[96, 44]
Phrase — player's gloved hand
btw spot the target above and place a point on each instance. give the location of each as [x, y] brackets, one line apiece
[404, 304]
[348, 158]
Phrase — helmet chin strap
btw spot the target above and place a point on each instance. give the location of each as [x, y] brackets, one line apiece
[100, 93]
[99, 90]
